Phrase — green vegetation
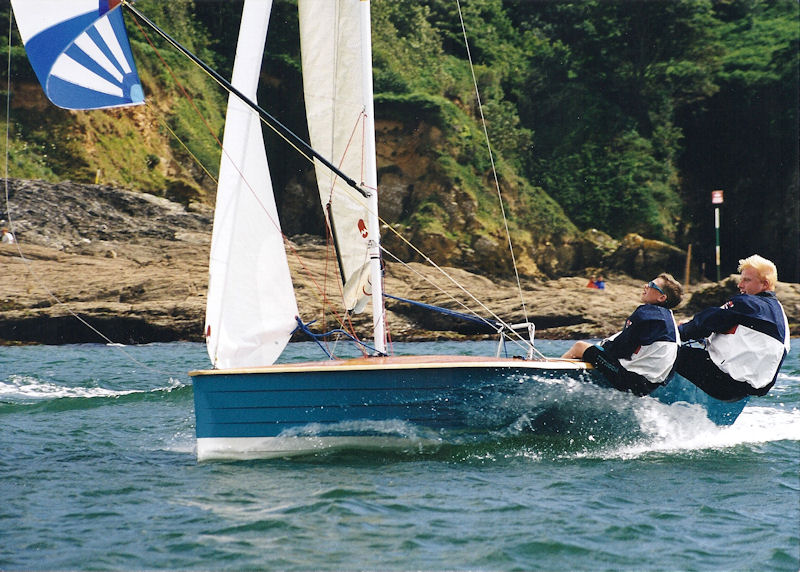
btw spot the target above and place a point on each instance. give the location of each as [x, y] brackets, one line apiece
[617, 115]
[744, 139]
[127, 147]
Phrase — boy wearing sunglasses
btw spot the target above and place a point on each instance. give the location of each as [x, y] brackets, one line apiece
[640, 357]
[745, 340]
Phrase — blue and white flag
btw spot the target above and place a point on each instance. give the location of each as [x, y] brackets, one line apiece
[80, 52]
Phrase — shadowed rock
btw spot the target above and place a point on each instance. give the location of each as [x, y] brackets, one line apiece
[135, 268]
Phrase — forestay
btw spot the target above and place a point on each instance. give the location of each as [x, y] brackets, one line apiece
[251, 306]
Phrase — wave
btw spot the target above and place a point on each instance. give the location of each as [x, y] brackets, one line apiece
[567, 419]
[788, 377]
[25, 392]
[684, 429]
[618, 425]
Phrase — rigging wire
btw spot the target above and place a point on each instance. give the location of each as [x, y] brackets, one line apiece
[271, 120]
[491, 159]
[341, 178]
[180, 141]
[447, 275]
[320, 291]
[306, 150]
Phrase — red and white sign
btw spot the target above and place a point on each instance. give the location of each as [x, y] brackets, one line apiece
[716, 197]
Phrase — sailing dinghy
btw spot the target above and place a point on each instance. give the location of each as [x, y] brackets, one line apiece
[249, 406]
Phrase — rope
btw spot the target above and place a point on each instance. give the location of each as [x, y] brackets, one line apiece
[317, 337]
[520, 340]
[166, 126]
[347, 189]
[321, 292]
[449, 277]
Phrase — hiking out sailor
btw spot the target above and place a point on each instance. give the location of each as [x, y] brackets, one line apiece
[746, 339]
[639, 358]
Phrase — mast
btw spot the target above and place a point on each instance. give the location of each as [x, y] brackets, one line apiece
[371, 182]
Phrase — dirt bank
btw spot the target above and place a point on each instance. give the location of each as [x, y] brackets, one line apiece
[93, 261]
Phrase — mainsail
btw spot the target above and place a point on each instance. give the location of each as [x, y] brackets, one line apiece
[80, 52]
[251, 308]
[340, 127]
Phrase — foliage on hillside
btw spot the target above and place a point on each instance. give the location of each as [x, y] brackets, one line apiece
[744, 139]
[640, 109]
[131, 147]
[623, 115]
[420, 74]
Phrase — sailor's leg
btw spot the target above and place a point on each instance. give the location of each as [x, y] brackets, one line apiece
[619, 377]
[576, 351]
[695, 365]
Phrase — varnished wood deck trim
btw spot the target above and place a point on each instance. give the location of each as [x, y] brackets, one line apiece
[404, 362]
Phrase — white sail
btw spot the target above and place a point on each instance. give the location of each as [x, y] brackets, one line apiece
[331, 49]
[251, 306]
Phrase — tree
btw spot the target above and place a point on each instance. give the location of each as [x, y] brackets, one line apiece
[604, 82]
[744, 140]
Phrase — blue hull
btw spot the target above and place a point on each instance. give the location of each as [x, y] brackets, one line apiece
[381, 402]
[287, 409]
[266, 403]
[680, 389]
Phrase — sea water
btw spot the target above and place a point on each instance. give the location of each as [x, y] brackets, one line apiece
[98, 471]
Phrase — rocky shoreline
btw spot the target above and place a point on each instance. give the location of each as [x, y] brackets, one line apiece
[97, 264]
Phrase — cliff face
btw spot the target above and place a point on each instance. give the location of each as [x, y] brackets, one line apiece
[579, 141]
[95, 260]
[132, 265]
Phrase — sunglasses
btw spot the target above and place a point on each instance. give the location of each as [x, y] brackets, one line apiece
[654, 286]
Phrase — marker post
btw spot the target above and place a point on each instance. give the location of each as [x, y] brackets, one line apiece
[716, 199]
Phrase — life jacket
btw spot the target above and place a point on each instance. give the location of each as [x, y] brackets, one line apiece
[753, 350]
[656, 347]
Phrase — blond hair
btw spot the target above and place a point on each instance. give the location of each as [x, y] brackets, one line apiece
[766, 269]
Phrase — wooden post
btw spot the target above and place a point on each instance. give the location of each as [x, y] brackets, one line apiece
[716, 235]
[687, 270]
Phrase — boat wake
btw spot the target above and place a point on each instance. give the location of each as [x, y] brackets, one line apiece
[559, 418]
[21, 391]
[676, 428]
[605, 423]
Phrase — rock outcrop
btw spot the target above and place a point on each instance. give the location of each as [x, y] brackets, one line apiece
[644, 259]
[97, 264]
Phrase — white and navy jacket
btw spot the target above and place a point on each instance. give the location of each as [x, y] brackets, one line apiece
[748, 337]
[648, 344]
